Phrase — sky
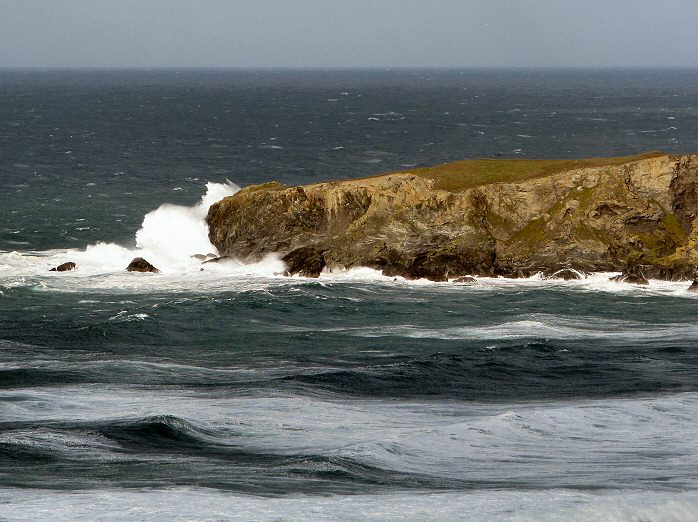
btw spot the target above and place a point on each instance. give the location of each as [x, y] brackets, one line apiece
[348, 33]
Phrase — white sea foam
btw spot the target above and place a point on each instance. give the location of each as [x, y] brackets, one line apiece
[178, 232]
[169, 236]
[542, 327]
[183, 503]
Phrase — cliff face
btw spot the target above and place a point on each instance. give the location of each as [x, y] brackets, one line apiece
[637, 212]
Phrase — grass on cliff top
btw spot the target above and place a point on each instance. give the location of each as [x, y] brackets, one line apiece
[467, 174]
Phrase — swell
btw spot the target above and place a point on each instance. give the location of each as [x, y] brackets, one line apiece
[324, 446]
[466, 370]
[520, 371]
[166, 450]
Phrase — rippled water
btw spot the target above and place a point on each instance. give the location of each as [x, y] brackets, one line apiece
[234, 392]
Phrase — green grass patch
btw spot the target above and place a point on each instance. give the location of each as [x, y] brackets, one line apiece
[461, 175]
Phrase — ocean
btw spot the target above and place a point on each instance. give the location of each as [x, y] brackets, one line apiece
[234, 392]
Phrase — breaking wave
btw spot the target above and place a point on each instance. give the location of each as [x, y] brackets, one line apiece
[171, 235]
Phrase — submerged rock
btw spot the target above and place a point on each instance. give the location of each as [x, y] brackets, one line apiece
[513, 218]
[139, 264]
[465, 280]
[65, 267]
[204, 258]
[633, 279]
[632, 275]
[567, 274]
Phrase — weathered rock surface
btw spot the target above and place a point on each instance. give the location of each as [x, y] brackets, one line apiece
[641, 212]
[139, 264]
[64, 267]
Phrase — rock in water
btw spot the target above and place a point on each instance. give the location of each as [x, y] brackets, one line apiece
[205, 257]
[633, 275]
[635, 279]
[465, 280]
[139, 264]
[64, 267]
[566, 274]
[694, 286]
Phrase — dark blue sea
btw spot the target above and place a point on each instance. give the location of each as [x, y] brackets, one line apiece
[237, 393]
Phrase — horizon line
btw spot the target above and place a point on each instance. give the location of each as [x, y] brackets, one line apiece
[346, 68]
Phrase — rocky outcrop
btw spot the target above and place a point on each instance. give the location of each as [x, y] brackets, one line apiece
[64, 267]
[637, 212]
[139, 264]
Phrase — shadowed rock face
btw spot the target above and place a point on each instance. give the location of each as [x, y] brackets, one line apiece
[602, 218]
[306, 261]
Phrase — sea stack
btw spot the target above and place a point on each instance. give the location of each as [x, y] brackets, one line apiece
[477, 217]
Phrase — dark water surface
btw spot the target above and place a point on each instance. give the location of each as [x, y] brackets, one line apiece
[236, 393]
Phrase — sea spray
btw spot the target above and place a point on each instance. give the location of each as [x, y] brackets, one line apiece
[168, 237]
[176, 232]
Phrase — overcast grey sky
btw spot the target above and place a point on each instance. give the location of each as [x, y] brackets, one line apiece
[348, 33]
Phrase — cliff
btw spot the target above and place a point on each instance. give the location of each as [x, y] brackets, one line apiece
[484, 217]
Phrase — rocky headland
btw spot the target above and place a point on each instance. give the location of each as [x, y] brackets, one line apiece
[514, 218]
